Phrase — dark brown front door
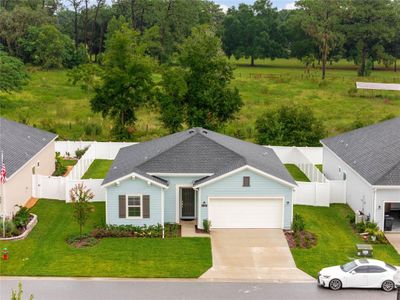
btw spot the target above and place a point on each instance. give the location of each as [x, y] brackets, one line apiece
[187, 203]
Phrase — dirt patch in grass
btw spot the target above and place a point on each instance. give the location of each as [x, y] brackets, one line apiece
[303, 239]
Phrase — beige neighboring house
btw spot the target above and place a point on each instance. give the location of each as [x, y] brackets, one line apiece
[26, 151]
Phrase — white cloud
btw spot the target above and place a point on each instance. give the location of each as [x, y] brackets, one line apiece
[224, 7]
[290, 6]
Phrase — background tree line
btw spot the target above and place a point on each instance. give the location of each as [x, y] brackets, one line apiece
[317, 32]
[116, 49]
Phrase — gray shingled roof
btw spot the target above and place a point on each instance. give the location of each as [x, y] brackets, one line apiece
[372, 151]
[20, 143]
[195, 151]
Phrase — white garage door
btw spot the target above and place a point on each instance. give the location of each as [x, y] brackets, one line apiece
[245, 212]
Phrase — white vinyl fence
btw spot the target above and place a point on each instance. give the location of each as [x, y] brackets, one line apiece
[319, 192]
[54, 187]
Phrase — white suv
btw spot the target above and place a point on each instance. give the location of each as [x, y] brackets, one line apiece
[360, 273]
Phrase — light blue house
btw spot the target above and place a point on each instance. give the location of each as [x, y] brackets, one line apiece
[199, 174]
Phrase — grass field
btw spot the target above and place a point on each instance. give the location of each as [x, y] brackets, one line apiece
[296, 173]
[98, 169]
[45, 252]
[51, 102]
[336, 239]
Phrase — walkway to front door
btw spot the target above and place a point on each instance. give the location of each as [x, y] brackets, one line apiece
[253, 254]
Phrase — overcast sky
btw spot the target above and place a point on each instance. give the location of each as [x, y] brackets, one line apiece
[281, 4]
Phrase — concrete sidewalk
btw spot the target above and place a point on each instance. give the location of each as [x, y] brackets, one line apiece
[253, 254]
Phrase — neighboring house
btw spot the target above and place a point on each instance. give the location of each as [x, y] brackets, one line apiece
[199, 174]
[369, 160]
[26, 151]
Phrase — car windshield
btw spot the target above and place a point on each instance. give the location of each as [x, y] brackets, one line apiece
[391, 267]
[348, 267]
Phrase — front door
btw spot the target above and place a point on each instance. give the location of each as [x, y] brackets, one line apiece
[187, 203]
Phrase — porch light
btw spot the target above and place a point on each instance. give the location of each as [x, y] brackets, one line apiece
[287, 202]
[379, 207]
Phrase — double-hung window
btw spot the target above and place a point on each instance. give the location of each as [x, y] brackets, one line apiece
[134, 206]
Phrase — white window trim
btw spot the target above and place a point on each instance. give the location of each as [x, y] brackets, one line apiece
[127, 207]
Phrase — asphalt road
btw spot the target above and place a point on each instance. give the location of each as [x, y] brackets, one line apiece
[99, 289]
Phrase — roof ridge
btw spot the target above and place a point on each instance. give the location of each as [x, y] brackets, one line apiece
[389, 171]
[190, 136]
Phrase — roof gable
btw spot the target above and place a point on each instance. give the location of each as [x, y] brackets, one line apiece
[372, 151]
[195, 151]
[20, 143]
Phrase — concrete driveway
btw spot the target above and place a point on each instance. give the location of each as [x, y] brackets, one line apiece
[252, 254]
[394, 239]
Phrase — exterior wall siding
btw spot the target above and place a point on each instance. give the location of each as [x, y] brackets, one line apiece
[382, 196]
[18, 189]
[359, 194]
[133, 187]
[170, 204]
[260, 186]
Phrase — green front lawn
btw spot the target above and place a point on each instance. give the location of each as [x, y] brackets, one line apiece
[336, 239]
[45, 252]
[98, 169]
[296, 173]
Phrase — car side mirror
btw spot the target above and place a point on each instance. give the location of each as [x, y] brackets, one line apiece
[353, 272]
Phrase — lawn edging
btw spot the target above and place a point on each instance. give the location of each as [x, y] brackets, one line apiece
[32, 223]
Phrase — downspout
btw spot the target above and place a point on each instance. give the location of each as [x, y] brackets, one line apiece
[374, 208]
[162, 212]
[198, 206]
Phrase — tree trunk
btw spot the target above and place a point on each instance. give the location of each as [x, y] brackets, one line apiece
[363, 61]
[99, 2]
[133, 14]
[85, 23]
[76, 26]
[252, 61]
[324, 56]
[395, 64]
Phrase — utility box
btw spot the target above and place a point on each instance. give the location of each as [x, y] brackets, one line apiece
[364, 250]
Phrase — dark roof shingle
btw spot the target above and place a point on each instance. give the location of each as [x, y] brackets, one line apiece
[372, 151]
[195, 151]
[20, 143]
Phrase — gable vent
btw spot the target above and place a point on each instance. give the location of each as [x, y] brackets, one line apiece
[191, 131]
[205, 131]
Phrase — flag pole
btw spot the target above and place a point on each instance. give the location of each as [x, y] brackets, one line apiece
[3, 202]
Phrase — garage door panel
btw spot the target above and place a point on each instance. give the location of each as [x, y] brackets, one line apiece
[245, 212]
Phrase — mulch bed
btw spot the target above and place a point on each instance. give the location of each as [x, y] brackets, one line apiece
[198, 230]
[303, 239]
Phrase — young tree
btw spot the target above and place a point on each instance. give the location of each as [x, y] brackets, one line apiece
[81, 197]
[289, 125]
[200, 91]
[321, 20]
[13, 74]
[127, 82]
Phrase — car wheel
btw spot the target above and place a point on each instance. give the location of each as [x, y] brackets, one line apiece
[388, 286]
[335, 284]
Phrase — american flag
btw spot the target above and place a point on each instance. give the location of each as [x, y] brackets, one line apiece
[3, 173]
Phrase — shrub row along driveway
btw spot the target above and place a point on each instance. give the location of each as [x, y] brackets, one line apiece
[45, 252]
[336, 239]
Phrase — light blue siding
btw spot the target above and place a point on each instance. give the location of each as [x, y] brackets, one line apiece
[170, 195]
[133, 187]
[260, 186]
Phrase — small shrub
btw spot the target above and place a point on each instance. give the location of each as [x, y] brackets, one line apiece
[371, 226]
[351, 218]
[207, 225]
[360, 227]
[11, 229]
[92, 129]
[80, 152]
[151, 231]
[21, 218]
[60, 167]
[352, 92]
[298, 224]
